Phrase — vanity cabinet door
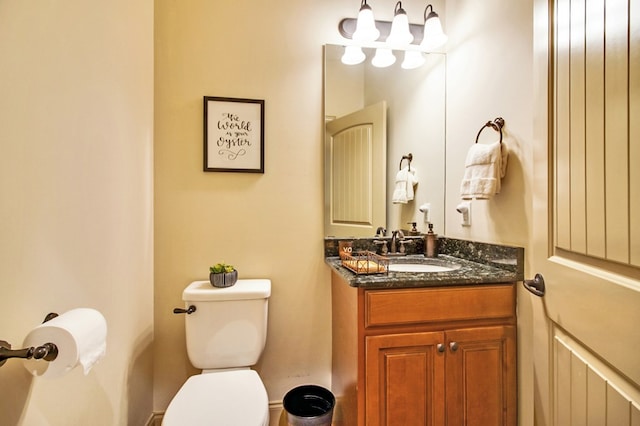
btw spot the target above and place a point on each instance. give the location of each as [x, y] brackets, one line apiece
[481, 376]
[405, 382]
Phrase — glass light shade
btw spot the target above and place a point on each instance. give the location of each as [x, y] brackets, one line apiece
[433, 36]
[400, 35]
[353, 55]
[412, 59]
[366, 30]
[384, 58]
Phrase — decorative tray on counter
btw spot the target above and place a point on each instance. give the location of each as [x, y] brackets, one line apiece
[365, 262]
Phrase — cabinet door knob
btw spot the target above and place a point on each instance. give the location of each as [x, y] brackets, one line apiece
[453, 346]
[440, 347]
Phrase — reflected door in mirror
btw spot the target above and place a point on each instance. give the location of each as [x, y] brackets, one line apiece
[355, 147]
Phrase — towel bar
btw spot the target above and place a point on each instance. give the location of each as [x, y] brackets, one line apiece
[496, 125]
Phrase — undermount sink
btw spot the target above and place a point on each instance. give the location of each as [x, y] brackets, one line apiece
[421, 267]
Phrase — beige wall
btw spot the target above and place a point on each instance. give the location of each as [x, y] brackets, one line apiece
[76, 206]
[268, 225]
[489, 75]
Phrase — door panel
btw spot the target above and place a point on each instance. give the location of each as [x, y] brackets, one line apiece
[588, 392]
[584, 244]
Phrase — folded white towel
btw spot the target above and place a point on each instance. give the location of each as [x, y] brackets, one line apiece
[485, 166]
[403, 191]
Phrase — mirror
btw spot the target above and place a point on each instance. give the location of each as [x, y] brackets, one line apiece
[414, 102]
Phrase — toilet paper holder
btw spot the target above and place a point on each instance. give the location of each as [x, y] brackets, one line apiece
[48, 351]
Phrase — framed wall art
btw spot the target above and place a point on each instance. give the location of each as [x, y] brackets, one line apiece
[233, 135]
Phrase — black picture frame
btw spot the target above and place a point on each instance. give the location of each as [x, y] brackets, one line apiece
[233, 135]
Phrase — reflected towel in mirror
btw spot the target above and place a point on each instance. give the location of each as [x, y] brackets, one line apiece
[404, 183]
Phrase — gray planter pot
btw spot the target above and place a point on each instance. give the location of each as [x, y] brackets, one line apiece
[223, 279]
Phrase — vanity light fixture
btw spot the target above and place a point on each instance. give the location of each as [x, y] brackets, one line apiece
[384, 37]
[400, 36]
[366, 30]
[433, 37]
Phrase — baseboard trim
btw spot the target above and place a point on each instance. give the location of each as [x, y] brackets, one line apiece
[277, 415]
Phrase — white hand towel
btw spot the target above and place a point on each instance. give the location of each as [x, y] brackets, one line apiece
[485, 166]
[403, 191]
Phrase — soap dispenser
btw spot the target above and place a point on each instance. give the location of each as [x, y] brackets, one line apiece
[431, 243]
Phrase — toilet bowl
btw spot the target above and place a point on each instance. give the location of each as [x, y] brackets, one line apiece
[225, 334]
[229, 398]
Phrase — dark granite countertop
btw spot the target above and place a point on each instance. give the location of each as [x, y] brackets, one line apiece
[480, 263]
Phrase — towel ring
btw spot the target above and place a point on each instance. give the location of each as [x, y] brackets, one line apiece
[496, 125]
[409, 158]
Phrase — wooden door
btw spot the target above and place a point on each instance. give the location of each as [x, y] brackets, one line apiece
[355, 172]
[481, 376]
[586, 205]
[405, 379]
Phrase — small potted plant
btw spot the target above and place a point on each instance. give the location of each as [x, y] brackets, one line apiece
[223, 275]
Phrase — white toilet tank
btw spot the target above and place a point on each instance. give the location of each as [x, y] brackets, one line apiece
[229, 326]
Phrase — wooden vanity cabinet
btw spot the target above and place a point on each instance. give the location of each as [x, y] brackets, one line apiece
[424, 356]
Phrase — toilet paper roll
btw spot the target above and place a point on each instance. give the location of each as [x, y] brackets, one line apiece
[81, 337]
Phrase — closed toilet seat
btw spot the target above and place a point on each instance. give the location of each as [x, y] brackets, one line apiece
[229, 398]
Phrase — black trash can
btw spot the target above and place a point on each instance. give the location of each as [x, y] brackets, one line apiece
[309, 405]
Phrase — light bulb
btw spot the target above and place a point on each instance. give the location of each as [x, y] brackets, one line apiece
[366, 30]
[412, 59]
[400, 35]
[433, 36]
[384, 58]
[353, 55]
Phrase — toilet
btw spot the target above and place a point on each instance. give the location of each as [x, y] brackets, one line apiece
[225, 335]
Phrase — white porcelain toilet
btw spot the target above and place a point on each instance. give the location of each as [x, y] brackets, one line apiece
[225, 336]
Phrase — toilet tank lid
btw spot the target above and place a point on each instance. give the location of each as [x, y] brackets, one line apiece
[244, 289]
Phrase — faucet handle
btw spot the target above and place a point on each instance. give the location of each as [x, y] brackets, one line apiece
[402, 245]
[382, 243]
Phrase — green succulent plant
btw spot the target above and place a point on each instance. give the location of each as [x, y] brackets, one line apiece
[219, 268]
